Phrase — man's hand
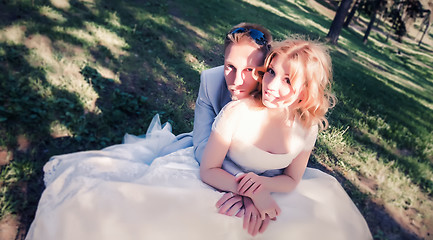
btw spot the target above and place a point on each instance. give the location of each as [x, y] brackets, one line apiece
[252, 221]
[231, 204]
[249, 184]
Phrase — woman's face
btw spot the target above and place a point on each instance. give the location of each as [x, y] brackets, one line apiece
[276, 85]
[239, 61]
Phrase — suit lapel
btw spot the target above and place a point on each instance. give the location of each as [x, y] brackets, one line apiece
[225, 96]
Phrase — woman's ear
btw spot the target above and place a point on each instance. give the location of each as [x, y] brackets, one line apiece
[258, 73]
[302, 95]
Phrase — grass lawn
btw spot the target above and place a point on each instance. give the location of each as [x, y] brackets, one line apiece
[79, 74]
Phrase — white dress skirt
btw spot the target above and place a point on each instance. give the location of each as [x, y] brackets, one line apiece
[129, 192]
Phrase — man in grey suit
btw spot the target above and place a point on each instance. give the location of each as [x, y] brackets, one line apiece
[246, 46]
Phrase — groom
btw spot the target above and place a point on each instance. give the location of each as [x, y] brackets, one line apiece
[245, 48]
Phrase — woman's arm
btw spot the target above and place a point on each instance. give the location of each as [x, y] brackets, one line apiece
[251, 183]
[210, 168]
[259, 188]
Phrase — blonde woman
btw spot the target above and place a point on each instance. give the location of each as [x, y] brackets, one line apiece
[276, 128]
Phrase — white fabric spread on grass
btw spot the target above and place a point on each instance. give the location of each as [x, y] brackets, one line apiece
[124, 192]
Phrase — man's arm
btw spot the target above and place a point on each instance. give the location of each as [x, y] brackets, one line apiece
[204, 116]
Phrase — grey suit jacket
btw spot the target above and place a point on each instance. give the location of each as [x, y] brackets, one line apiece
[213, 95]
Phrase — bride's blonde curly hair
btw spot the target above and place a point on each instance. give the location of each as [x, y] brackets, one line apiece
[310, 76]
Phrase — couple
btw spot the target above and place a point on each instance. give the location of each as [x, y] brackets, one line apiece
[136, 191]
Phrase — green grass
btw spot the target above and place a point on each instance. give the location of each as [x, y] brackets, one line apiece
[79, 77]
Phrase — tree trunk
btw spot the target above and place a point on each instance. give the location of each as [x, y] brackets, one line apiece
[337, 23]
[370, 26]
[425, 30]
[426, 23]
[351, 14]
[377, 5]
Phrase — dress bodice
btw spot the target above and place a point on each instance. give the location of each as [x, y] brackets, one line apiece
[239, 123]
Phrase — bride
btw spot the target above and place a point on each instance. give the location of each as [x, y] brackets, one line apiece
[110, 194]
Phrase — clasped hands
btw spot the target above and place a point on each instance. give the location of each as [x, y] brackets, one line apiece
[252, 201]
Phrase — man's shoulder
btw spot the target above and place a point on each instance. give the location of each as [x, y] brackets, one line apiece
[215, 71]
[213, 79]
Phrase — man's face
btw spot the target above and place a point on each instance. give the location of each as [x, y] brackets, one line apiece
[239, 61]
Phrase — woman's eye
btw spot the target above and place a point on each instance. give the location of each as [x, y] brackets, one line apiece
[230, 66]
[287, 80]
[249, 69]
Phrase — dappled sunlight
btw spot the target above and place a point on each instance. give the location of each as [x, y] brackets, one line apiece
[415, 61]
[397, 79]
[172, 81]
[107, 39]
[63, 4]
[52, 14]
[108, 73]
[87, 1]
[91, 6]
[270, 8]
[42, 47]
[62, 71]
[14, 34]
[194, 63]
[170, 45]
[290, 14]
[379, 179]
[80, 34]
[163, 69]
[190, 27]
[113, 19]
[94, 35]
[309, 22]
[57, 130]
[330, 14]
[381, 67]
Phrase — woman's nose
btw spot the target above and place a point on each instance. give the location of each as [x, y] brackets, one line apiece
[273, 84]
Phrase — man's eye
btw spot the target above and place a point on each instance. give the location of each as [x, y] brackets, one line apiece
[230, 66]
[287, 81]
[249, 69]
[271, 71]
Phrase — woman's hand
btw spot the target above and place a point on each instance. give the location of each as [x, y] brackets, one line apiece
[249, 184]
[252, 222]
[266, 205]
[231, 204]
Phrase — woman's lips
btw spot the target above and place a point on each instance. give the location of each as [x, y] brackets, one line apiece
[269, 96]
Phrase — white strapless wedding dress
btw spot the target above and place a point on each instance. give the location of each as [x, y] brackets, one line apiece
[127, 192]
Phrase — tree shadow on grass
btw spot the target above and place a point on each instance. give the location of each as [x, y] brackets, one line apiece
[381, 224]
[331, 5]
[365, 87]
[26, 111]
[374, 98]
